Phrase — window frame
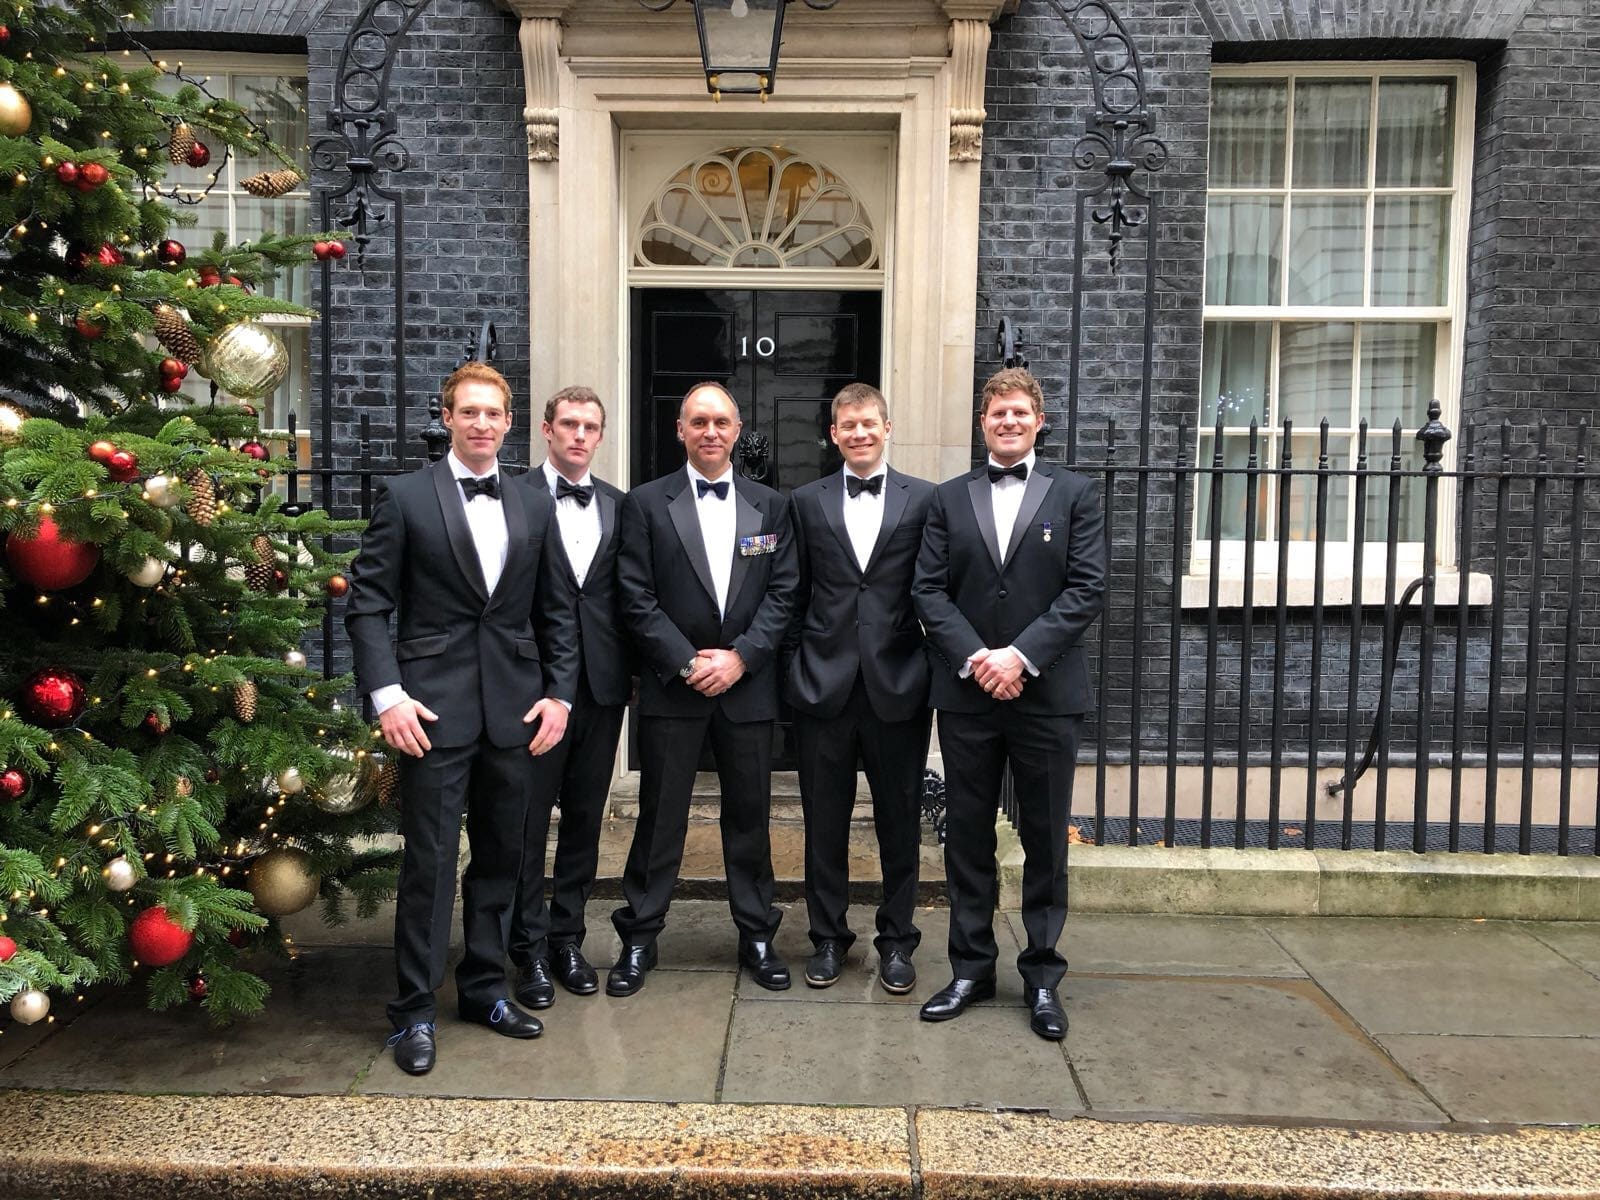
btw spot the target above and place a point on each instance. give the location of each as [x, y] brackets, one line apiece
[1449, 317]
[207, 65]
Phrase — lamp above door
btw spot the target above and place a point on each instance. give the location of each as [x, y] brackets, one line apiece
[739, 41]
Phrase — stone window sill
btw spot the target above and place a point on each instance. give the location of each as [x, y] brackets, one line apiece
[1337, 589]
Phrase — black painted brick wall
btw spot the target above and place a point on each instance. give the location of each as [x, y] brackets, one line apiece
[1534, 299]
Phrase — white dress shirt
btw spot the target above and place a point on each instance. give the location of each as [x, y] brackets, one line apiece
[863, 514]
[486, 520]
[719, 526]
[1006, 497]
[579, 523]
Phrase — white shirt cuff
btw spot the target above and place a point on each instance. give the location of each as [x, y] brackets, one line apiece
[387, 697]
[1026, 665]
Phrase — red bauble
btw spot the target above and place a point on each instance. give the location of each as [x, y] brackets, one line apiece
[337, 586]
[49, 561]
[7, 946]
[67, 173]
[171, 383]
[109, 256]
[255, 450]
[248, 410]
[92, 175]
[319, 251]
[123, 466]
[102, 450]
[54, 697]
[13, 786]
[154, 723]
[335, 250]
[236, 938]
[5, 36]
[199, 155]
[90, 329]
[173, 367]
[197, 987]
[210, 277]
[171, 252]
[280, 580]
[156, 939]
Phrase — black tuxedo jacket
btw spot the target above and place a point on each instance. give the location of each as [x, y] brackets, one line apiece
[478, 661]
[1042, 600]
[670, 603]
[848, 620]
[607, 659]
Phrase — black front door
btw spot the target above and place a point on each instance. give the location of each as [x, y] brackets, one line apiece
[783, 355]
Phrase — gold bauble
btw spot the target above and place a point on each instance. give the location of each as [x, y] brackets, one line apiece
[246, 359]
[347, 791]
[16, 114]
[283, 882]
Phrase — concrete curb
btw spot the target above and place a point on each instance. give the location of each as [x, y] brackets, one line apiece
[1329, 883]
[95, 1145]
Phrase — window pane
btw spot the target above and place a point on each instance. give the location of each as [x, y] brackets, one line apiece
[1416, 128]
[1247, 132]
[1411, 498]
[1410, 238]
[1316, 364]
[1232, 484]
[288, 215]
[1397, 373]
[296, 386]
[1244, 249]
[1303, 493]
[1326, 249]
[1236, 365]
[1330, 132]
[278, 105]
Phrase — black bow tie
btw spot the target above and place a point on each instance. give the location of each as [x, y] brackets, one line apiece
[1016, 471]
[701, 487]
[855, 485]
[489, 486]
[581, 492]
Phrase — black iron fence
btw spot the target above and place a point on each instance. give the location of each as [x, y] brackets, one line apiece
[1268, 679]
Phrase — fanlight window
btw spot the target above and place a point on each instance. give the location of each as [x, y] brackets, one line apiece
[759, 206]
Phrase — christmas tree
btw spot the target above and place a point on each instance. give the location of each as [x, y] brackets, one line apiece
[174, 777]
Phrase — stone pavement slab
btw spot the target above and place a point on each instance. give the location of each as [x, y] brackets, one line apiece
[831, 1053]
[1230, 1047]
[1169, 945]
[1575, 941]
[1437, 976]
[1506, 1080]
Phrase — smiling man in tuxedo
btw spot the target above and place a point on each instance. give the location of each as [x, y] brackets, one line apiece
[858, 684]
[1011, 574]
[481, 673]
[707, 570]
[547, 942]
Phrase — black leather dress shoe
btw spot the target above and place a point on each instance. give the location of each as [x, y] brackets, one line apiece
[534, 987]
[1049, 1019]
[627, 976]
[506, 1019]
[952, 1000]
[895, 972]
[414, 1049]
[572, 970]
[824, 965]
[766, 968]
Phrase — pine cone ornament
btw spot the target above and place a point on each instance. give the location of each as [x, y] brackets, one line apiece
[182, 142]
[245, 697]
[173, 332]
[389, 782]
[271, 184]
[258, 573]
[201, 504]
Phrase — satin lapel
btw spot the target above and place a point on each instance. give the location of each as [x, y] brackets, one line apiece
[978, 489]
[1033, 496]
[608, 521]
[687, 522]
[749, 524]
[518, 522]
[895, 496]
[453, 509]
[831, 498]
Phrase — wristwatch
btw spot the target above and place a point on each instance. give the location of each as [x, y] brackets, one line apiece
[688, 669]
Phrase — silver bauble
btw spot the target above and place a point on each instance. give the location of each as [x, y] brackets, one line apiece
[11, 420]
[148, 573]
[30, 1006]
[158, 490]
[246, 359]
[295, 659]
[120, 875]
[343, 793]
[289, 781]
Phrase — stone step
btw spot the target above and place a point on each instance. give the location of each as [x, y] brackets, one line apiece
[707, 798]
